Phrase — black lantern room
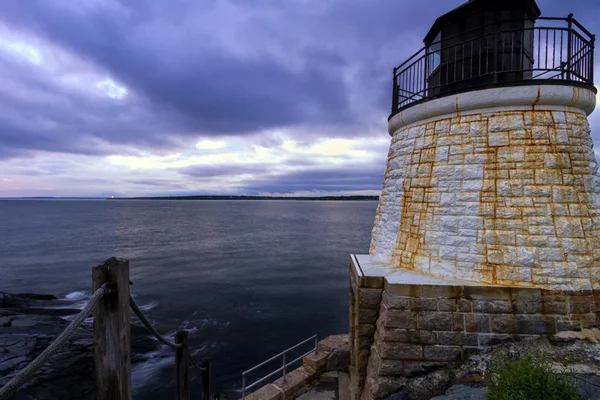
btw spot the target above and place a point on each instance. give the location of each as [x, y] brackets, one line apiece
[482, 42]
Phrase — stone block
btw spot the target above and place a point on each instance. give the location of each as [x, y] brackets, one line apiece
[400, 319]
[567, 324]
[367, 316]
[296, 382]
[448, 305]
[366, 329]
[416, 368]
[365, 342]
[555, 307]
[528, 307]
[335, 342]
[422, 337]
[395, 302]
[486, 339]
[391, 367]
[369, 298]
[478, 322]
[457, 339]
[423, 304]
[441, 353]
[315, 362]
[505, 122]
[400, 351]
[535, 324]
[498, 139]
[464, 305]
[580, 305]
[503, 323]
[339, 360]
[435, 321]
[384, 334]
[492, 306]
[267, 392]
[380, 387]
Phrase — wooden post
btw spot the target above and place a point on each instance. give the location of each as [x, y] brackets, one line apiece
[112, 333]
[182, 366]
[206, 380]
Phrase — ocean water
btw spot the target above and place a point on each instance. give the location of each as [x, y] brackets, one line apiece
[246, 278]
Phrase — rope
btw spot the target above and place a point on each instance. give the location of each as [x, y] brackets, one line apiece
[194, 364]
[149, 326]
[26, 373]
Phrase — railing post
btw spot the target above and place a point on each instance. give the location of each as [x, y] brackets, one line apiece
[112, 341]
[206, 381]
[181, 366]
[591, 67]
[284, 366]
[243, 386]
[316, 344]
[569, 44]
[395, 93]
[495, 62]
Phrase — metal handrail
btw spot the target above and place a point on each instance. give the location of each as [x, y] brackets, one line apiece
[284, 366]
[558, 54]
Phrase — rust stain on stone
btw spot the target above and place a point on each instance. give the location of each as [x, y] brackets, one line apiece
[415, 206]
[537, 99]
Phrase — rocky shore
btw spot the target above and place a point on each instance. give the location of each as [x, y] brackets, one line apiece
[28, 323]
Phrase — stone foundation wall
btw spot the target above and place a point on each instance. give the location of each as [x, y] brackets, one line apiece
[401, 331]
[503, 196]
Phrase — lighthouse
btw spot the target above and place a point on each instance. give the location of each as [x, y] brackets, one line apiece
[488, 224]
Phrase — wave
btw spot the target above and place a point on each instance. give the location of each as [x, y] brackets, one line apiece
[145, 372]
[77, 296]
[149, 306]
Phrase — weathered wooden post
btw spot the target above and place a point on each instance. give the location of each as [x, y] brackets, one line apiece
[112, 341]
[182, 366]
[206, 380]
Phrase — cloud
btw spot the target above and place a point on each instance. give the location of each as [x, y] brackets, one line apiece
[219, 95]
[321, 180]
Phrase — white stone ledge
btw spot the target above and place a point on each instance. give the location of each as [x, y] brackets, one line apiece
[530, 97]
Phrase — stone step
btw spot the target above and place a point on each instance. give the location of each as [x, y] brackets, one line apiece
[343, 386]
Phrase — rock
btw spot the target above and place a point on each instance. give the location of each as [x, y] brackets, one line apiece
[463, 392]
[29, 323]
[402, 395]
[424, 387]
[589, 386]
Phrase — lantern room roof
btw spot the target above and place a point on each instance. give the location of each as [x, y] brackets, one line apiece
[472, 6]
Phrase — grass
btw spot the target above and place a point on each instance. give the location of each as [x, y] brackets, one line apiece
[528, 378]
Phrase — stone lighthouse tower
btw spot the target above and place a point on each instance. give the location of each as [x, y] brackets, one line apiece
[488, 225]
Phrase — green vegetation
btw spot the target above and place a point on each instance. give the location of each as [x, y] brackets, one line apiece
[528, 378]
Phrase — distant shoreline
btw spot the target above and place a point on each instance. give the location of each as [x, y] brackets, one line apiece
[208, 197]
[323, 198]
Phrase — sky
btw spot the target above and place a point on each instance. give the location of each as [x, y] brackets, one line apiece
[190, 97]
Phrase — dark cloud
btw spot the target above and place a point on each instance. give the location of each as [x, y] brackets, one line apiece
[228, 68]
[208, 171]
[324, 179]
[257, 65]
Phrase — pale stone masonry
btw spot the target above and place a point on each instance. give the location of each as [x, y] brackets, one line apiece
[487, 230]
[500, 196]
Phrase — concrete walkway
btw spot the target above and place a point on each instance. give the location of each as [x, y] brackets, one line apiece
[332, 386]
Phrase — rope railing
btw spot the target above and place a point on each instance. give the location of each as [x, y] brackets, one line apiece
[138, 312]
[110, 302]
[26, 373]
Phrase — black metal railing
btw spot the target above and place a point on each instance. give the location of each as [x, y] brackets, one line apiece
[537, 51]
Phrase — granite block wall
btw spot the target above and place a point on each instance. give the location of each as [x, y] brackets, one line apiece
[416, 328]
[504, 197]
